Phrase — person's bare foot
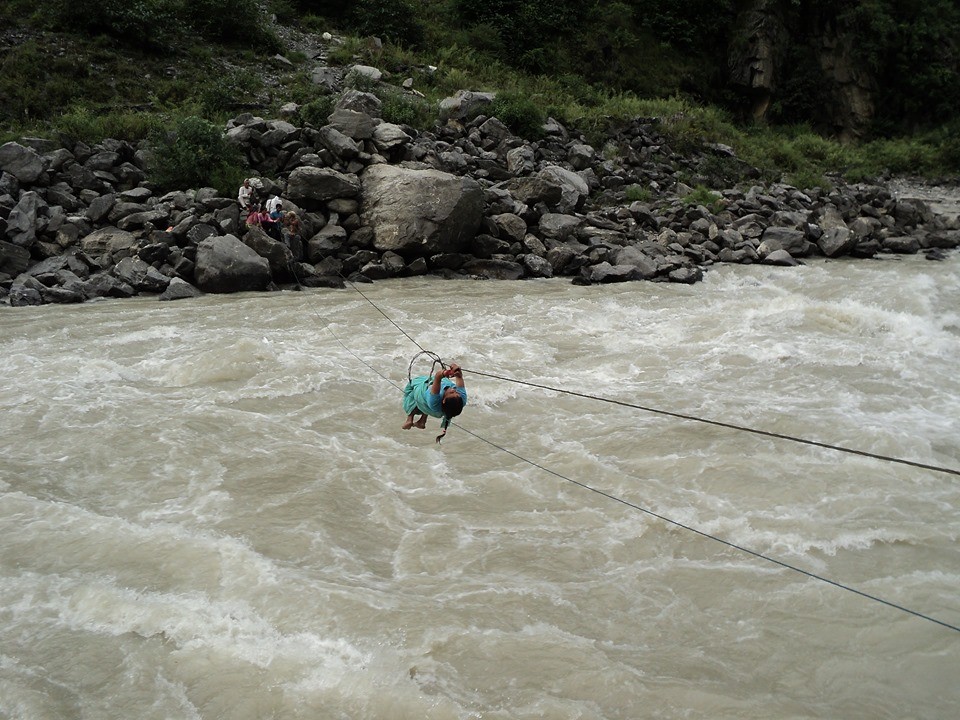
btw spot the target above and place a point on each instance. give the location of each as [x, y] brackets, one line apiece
[407, 425]
[421, 423]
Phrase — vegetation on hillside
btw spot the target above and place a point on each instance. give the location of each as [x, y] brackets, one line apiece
[90, 69]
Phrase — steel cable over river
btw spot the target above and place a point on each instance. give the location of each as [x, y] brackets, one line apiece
[208, 508]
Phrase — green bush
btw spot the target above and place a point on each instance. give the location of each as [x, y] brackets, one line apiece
[161, 24]
[702, 195]
[194, 153]
[317, 111]
[222, 94]
[521, 114]
[231, 21]
[638, 193]
[394, 20]
[85, 125]
[402, 109]
[151, 23]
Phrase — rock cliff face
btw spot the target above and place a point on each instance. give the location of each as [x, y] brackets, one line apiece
[753, 62]
[852, 87]
[757, 55]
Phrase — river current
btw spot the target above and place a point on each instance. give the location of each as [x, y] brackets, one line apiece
[208, 508]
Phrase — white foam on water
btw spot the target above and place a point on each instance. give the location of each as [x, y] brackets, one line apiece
[218, 516]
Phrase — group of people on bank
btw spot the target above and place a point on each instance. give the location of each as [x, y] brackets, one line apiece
[269, 215]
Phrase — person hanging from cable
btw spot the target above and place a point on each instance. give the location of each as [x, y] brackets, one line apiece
[436, 395]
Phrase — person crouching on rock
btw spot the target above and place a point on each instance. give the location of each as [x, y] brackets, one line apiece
[254, 216]
[437, 396]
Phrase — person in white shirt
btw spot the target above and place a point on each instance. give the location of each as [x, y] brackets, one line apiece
[245, 195]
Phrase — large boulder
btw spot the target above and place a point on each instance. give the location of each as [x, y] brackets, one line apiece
[387, 136]
[353, 123]
[466, 104]
[420, 212]
[493, 269]
[278, 254]
[784, 238]
[341, 145]
[140, 276]
[22, 221]
[179, 290]
[837, 241]
[107, 241]
[225, 265]
[633, 256]
[22, 162]
[310, 187]
[573, 188]
[13, 259]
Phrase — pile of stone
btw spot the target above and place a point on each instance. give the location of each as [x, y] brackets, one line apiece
[379, 200]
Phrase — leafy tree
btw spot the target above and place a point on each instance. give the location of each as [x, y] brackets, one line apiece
[394, 20]
[161, 24]
[531, 31]
[194, 153]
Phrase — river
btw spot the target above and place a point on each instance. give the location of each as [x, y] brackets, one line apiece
[208, 508]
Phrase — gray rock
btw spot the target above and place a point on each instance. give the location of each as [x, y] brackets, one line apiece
[362, 102]
[26, 291]
[534, 190]
[71, 293]
[780, 257]
[573, 188]
[352, 123]
[13, 258]
[510, 226]
[581, 156]
[179, 289]
[494, 129]
[278, 254]
[837, 241]
[901, 244]
[107, 241]
[100, 208]
[327, 79]
[387, 136]
[225, 265]
[792, 240]
[328, 240]
[21, 162]
[537, 266]
[558, 226]
[102, 161]
[366, 71]
[104, 284]
[606, 273]
[493, 269]
[420, 212]
[465, 104]
[647, 268]
[135, 221]
[687, 275]
[140, 276]
[22, 221]
[310, 187]
[342, 146]
[521, 160]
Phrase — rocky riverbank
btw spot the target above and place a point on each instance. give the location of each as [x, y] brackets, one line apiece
[378, 200]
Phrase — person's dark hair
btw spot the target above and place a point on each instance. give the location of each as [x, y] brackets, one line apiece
[452, 406]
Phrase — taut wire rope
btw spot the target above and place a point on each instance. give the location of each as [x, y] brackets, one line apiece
[718, 423]
[640, 508]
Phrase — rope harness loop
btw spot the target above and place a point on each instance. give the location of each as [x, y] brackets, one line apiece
[432, 355]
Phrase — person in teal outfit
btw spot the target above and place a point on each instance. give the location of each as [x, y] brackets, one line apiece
[435, 395]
